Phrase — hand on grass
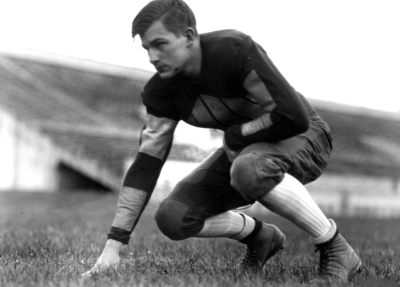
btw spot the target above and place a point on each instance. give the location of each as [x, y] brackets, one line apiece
[109, 258]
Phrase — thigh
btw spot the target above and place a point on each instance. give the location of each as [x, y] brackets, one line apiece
[304, 156]
[311, 161]
[206, 191]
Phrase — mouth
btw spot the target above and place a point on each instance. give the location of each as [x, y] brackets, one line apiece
[160, 69]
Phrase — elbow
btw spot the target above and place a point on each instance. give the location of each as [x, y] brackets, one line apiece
[296, 126]
[302, 125]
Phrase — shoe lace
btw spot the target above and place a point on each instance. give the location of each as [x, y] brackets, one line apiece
[250, 259]
[324, 259]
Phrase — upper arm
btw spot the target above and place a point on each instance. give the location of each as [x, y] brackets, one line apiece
[255, 87]
[157, 136]
[271, 90]
[285, 116]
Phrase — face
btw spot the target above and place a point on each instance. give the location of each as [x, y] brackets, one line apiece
[167, 52]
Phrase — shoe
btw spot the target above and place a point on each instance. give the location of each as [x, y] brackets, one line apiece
[261, 245]
[337, 259]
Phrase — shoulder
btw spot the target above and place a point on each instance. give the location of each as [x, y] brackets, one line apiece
[224, 39]
[156, 96]
[225, 49]
[156, 88]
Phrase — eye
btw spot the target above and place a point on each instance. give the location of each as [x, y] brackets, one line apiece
[160, 45]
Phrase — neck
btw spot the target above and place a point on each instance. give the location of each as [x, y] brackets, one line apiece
[193, 67]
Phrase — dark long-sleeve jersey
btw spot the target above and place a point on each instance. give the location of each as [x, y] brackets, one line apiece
[239, 91]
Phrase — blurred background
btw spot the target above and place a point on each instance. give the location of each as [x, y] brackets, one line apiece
[71, 77]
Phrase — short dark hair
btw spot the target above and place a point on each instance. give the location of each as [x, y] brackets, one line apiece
[176, 16]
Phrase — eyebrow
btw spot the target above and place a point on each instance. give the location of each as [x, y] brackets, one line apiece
[153, 41]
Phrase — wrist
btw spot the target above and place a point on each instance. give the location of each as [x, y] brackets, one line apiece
[113, 246]
[120, 235]
[234, 138]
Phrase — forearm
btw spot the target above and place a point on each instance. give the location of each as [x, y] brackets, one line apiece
[131, 203]
[142, 176]
[135, 193]
[263, 129]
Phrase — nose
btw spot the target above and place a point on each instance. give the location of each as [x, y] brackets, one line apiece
[153, 56]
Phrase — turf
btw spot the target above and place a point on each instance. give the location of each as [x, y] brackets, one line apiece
[50, 239]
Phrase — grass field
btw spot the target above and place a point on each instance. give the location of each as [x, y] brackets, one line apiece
[50, 239]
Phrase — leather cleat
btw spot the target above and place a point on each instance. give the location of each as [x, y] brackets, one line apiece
[337, 259]
[261, 245]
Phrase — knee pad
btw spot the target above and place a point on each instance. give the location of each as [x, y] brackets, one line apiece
[169, 218]
[254, 175]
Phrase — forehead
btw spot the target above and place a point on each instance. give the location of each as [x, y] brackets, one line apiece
[156, 31]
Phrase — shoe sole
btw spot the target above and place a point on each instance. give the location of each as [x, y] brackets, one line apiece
[356, 270]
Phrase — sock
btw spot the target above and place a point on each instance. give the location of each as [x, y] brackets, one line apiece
[248, 228]
[331, 233]
[229, 224]
[247, 238]
[291, 200]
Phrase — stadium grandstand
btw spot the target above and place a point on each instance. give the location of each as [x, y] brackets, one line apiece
[74, 124]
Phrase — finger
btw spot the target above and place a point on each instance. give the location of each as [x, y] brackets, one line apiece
[91, 272]
[87, 274]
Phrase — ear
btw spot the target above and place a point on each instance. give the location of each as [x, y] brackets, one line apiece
[190, 36]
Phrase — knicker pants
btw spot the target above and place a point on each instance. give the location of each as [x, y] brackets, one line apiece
[217, 185]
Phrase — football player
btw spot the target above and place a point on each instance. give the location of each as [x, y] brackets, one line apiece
[274, 144]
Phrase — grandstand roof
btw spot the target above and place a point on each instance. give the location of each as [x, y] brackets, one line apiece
[87, 109]
[365, 141]
[94, 110]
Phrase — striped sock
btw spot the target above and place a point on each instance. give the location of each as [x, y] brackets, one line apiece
[228, 224]
[291, 200]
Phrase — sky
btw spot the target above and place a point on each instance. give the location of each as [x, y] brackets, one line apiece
[344, 51]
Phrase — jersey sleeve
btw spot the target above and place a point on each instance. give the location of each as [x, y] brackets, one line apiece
[285, 115]
[156, 97]
[142, 176]
[155, 144]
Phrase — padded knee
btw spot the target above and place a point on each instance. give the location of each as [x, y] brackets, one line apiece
[169, 218]
[254, 175]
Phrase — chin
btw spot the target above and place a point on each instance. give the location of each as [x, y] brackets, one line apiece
[168, 74]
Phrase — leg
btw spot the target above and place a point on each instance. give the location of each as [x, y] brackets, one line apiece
[199, 206]
[203, 194]
[291, 200]
[274, 174]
